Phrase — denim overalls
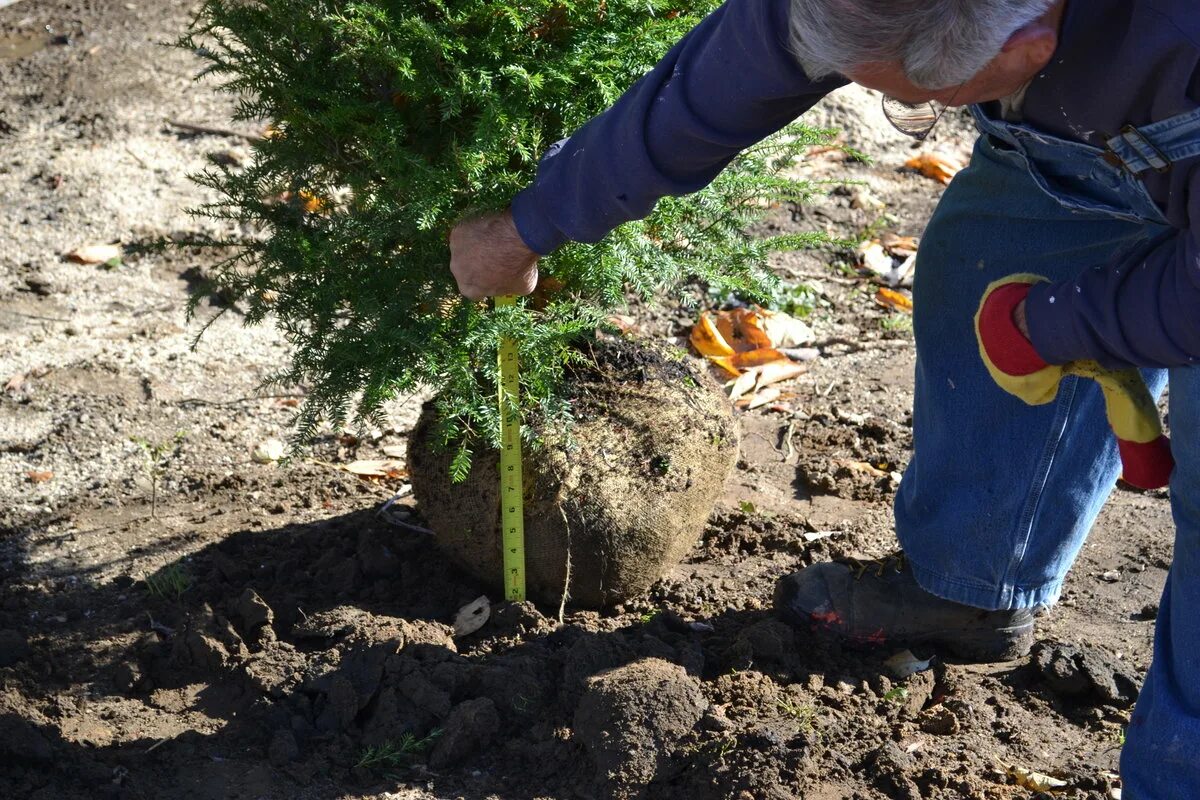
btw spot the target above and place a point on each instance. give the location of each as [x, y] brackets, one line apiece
[999, 496]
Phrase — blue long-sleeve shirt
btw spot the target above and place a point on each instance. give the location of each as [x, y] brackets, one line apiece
[732, 81]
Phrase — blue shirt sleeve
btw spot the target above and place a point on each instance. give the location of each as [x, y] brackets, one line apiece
[728, 84]
[1143, 310]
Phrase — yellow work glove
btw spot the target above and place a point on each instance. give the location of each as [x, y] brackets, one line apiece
[1018, 369]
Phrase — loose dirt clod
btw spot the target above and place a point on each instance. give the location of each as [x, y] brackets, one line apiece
[624, 495]
[1084, 673]
[631, 718]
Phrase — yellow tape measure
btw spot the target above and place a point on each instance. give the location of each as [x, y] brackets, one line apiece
[512, 487]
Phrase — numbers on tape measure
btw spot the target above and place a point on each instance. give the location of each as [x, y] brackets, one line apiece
[512, 511]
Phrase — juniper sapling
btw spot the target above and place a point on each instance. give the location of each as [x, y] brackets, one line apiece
[392, 120]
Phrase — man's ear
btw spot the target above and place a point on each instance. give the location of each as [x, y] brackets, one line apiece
[1038, 38]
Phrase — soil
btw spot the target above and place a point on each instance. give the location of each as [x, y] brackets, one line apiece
[215, 627]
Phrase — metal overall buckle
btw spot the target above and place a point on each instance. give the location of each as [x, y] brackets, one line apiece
[1141, 144]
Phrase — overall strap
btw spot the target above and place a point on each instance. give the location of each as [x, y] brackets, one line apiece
[1158, 145]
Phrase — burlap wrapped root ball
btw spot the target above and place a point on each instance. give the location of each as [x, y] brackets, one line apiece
[623, 494]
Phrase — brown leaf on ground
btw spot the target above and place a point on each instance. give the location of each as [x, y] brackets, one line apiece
[94, 253]
[707, 339]
[762, 398]
[757, 358]
[39, 476]
[778, 371]
[941, 168]
[902, 246]
[889, 298]
[743, 384]
[376, 468]
[861, 467]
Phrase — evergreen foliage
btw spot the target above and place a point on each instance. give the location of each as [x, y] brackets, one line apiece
[391, 120]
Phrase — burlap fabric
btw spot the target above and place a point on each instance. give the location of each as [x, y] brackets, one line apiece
[623, 495]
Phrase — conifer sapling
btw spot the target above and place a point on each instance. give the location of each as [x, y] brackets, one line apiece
[393, 119]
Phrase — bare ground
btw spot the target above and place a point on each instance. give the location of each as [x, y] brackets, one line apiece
[310, 629]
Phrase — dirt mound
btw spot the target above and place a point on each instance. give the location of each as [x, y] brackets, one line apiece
[615, 502]
[631, 718]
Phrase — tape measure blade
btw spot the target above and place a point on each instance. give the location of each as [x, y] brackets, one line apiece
[512, 500]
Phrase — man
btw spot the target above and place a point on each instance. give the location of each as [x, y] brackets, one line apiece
[1086, 173]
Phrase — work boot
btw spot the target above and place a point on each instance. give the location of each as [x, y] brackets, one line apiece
[878, 603]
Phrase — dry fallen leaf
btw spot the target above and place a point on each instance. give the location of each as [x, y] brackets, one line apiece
[760, 399]
[726, 363]
[904, 663]
[39, 476]
[707, 340]
[95, 253]
[778, 371]
[472, 616]
[757, 358]
[15, 383]
[889, 298]
[861, 467]
[751, 327]
[742, 384]
[940, 167]
[902, 246]
[875, 258]
[784, 330]
[376, 468]
[268, 450]
[1035, 781]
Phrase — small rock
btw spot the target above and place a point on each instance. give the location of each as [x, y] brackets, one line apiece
[1149, 611]
[253, 610]
[1085, 673]
[269, 451]
[375, 559]
[205, 651]
[341, 706]
[770, 640]
[887, 767]
[283, 748]
[127, 676]
[13, 647]
[277, 670]
[39, 286]
[1112, 576]
[715, 720]
[939, 721]
[517, 617]
[919, 689]
[469, 728]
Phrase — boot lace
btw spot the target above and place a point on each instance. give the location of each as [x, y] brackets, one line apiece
[877, 566]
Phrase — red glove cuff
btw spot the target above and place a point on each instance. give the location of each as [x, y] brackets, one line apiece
[1146, 465]
[1007, 348]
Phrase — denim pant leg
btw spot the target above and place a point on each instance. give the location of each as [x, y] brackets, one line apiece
[1161, 760]
[999, 496]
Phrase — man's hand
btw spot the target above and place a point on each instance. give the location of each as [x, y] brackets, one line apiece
[1019, 319]
[488, 258]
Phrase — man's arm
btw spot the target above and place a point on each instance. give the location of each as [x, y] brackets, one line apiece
[728, 84]
[1143, 311]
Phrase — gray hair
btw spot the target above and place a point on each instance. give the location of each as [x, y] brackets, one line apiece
[940, 43]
